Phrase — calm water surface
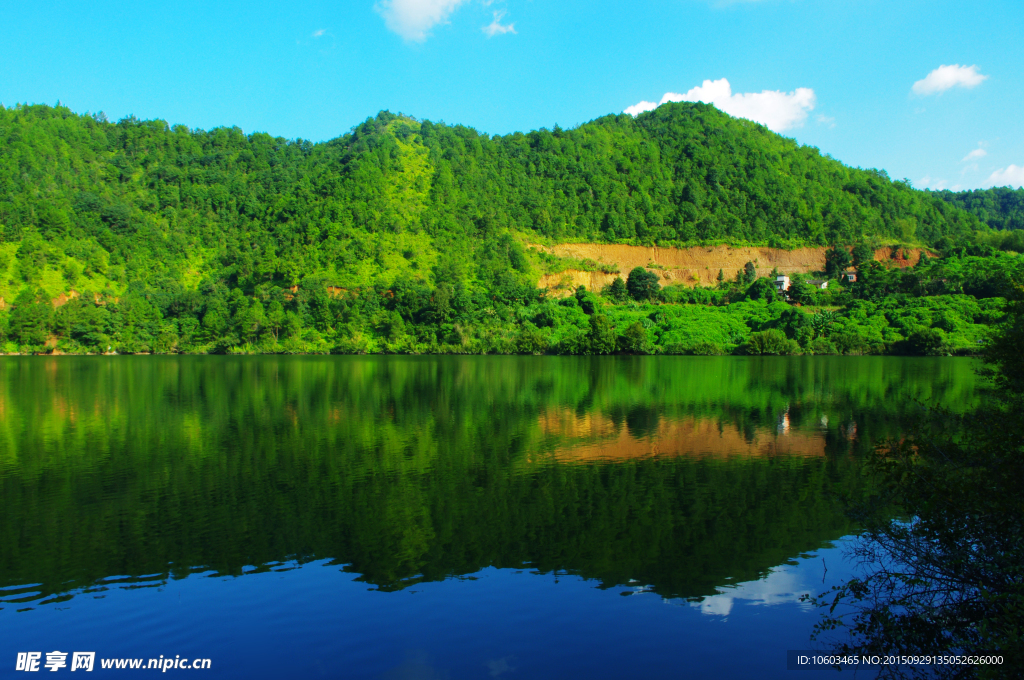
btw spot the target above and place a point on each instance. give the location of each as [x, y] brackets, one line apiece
[437, 517]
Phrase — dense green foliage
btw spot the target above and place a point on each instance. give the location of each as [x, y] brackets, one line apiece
[949, 577]
[999, 207]
[407, 468]
[401, 236]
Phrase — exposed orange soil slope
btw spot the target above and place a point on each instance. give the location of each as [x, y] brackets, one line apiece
[596, 437]
[692, 266]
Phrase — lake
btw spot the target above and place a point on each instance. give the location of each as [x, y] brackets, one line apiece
[438, 517]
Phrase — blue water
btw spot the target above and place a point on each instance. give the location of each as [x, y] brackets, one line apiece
[316, 620]
[436, 517]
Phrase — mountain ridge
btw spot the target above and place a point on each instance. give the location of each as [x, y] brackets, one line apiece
[411, 236]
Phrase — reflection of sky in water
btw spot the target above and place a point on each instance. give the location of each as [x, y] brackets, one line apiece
[785, 584]
[314, 620]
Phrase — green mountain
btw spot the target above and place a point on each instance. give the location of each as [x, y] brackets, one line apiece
[1000, 208]
[217, 239]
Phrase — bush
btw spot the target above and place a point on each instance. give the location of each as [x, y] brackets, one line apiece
[837, 259]
[616, 290]
[772, 341]
[706, 349]
[642, 284]
[575, 341]
[749, 272]
[862, 253]
[587, 302]
[762, 289]
[849, 342]
[822, 346]
[602, 337]
[634, 340]
[926, 342]
[531, 340]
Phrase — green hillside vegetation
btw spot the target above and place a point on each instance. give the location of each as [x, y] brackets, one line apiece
[410, 236]
[1000, 208]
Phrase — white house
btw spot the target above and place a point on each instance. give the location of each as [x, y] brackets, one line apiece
[782, 283]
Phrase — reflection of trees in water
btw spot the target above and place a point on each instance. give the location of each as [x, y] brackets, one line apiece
[642, 421]
[415, 467]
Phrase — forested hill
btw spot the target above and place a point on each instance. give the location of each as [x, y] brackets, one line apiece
[412, 236]
[999, 207]
[117, 202]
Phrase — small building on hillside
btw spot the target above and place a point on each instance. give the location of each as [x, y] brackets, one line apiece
[782, 283]
[819, 283]
[850, 276]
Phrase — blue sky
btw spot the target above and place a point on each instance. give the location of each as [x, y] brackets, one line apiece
[927, 90]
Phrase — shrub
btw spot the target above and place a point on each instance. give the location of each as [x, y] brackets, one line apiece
[927, 342]
[706, 349]
[837, 259]
[531, 340]
[849, 342]
[762, 289]
[642, 284]
[822, 346]
[749, 272]
[772, 341]
[634, 340]
[602, 335]
[616, 290]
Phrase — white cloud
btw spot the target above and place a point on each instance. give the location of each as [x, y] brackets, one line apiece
[977, 153]
[640, 107]
[775, 109]
[413, 19]
[318, 33]
[946, 77]
[782, 585]
[496, 28]
[825, 120]
[1009, 176]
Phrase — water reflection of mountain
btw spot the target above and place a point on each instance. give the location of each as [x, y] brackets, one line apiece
[676, 472]
[644, 434]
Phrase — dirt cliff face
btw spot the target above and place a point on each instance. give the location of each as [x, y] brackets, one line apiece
[694, 266]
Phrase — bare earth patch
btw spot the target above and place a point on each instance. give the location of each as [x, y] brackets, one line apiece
[694, 266]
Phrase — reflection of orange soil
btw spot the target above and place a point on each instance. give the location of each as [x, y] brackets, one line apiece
[692, 266]
[596, 437]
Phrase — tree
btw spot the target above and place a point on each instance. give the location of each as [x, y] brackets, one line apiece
[949, 579]
[31, 317]
[721, 276]
[634, 340]
[837, 260]
[762, 289]
[749, 272]
[617, 290]
[586, 300]
[642, 284]
[862, 253]
[602, 338]
[800, 291]
[772, 341]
